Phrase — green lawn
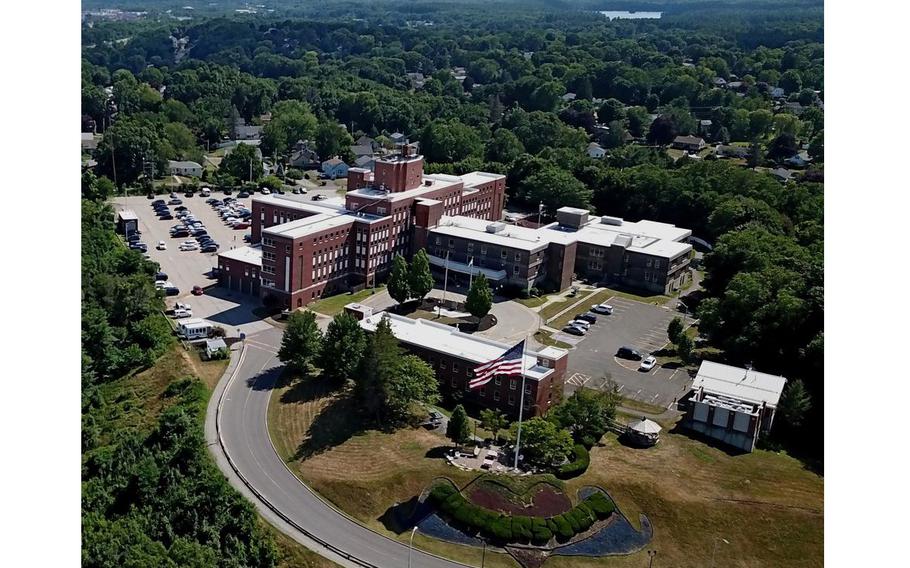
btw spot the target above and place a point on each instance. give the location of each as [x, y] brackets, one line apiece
[656, 299]
[334, 304]
[550, 310]
[598, 298]
[532, 302]
[546, 338]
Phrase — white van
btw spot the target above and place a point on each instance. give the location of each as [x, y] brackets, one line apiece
[206, 192]
[194, 328]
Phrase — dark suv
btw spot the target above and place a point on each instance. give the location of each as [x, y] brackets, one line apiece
[589, 317]
[626, 352]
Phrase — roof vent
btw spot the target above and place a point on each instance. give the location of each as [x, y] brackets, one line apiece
[496, 227]
[607, 220]
[428, 182]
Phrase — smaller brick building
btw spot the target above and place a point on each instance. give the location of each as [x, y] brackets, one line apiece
[454, 355]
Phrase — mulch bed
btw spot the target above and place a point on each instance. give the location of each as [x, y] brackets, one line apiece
[544, 501]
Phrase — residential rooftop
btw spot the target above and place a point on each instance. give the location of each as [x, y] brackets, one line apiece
[248, 254]
[449, 341]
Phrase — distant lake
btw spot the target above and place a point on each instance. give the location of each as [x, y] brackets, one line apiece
[625, 15]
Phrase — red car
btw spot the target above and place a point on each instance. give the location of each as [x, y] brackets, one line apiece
[198, 291]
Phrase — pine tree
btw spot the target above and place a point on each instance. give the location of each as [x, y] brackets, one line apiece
[684, 347]
[420, 279]
[301, 342]
[379, 361]
[480, 297]
[794, 404]
[343, 348]
[399, 287]
[458, 430]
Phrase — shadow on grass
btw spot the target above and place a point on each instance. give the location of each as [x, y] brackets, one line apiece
[335, 424]
[706, 440]
[439, 452]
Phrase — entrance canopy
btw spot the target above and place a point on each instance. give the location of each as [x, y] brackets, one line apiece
[492, 275]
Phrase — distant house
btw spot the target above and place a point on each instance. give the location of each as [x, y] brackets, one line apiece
[735, 85]
[569, 97]
[793, 107]
[366, 141]
[782, 174]
[398, 138]
[89, 141]
[417, 80]
[365, 162]
[213, 346]
[727, 151]
[247, 132]
[689, 143]
[732, 405]
[335, 168]
[184, 168]
[799, 160]
[719, 82]
[596, 151]
[362, 150]
[704, 127]
[777, 93]
[302, 156]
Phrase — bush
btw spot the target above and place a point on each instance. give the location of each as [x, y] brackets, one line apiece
[579, 464]
[541, 531]
[564, 529]
[521, 529]
[293, 173]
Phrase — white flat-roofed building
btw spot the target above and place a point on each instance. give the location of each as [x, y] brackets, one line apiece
[732, 404]
[454, 355]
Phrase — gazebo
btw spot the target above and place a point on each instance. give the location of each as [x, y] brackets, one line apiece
[644, 432]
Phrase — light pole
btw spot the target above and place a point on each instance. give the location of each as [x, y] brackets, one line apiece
[539, 212]
[651, 555]
[714, 553]
[411, 545]
[685, 307]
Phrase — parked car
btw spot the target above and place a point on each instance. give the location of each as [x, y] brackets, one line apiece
[319, 197]
[590, 317]
[189, 194]
[150, 196]
[133, 238]
[279, 191]
[189, 246]
[139, 246]
[647, 363]
[175, 201]
[626, 352]
[580, 323]
[242, 225]
[157, 202]
[247, 238]
[243, 195]
[161, 245]
[205, 192]
[602, 309]
[198, 291]
[228, 191]
[172, 291]
[181, 313]
[166, 217]
[181, 208]
[210, 248]
[180, 234]
[265, 191]
[573, 330]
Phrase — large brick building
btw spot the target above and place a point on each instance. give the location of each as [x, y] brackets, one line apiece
[454, 355]
[307, 249]
[311, 248]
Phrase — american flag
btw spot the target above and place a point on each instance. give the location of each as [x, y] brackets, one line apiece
[509, 363]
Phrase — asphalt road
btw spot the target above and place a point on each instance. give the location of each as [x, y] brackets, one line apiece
[245, 438]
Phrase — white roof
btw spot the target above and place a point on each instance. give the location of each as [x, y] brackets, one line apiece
[309, 225]
[215, 344]
[127, 214]
[476, 178]
[449, 341]
[646, 237]
[740, 384]
[299, 202]
[183, 164]
[250, 254]
[645, 426]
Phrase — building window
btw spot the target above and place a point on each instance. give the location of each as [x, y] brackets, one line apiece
[656, 264]
[483, 249]
[517, 257]
[648, 263]
[527, 403]
[513, 384]
[498, 380]
[470, 247]
[504, 254]
[451, 243]
[454, 382]
[442, 364]
[483, 392]
[527, 388]
[511, 399]
[454, 367]
[515, 269]
[496, 396]
[438, 241]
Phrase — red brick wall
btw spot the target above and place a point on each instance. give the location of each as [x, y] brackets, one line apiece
[399, 175]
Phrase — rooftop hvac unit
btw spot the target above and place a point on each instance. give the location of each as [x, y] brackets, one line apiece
[623, 240]
[607, 220]
[496, 227]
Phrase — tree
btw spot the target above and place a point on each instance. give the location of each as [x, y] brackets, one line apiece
[760, 122]
[411, 380]
[96, 188]
[556, 188]
[291, 121]
[782, 147]
[587, 414]
[791, 81]
[542, 442]
[493, 421]
[399, 287]
[420, 279]
[684, 347]
[612, 109]
[458, 429]
[817, 147]
[662, 131]
[332, 139]
[343, 348]
[242, 163]
[130, 144]
[451, 141]
[504, 147]
[794, 404]
[378, 363]
[480, 297]
[674, 329]
[301, 342]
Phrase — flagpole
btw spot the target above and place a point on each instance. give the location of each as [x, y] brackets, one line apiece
[521, 403]
[445, 281]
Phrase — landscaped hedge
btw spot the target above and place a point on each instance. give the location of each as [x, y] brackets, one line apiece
[578, 465]
[518, 528]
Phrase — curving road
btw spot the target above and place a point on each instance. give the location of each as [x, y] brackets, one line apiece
[237, 433]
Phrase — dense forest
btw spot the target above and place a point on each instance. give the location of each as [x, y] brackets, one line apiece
[160, 88]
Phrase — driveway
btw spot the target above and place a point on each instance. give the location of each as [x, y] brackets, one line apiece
[642, 326]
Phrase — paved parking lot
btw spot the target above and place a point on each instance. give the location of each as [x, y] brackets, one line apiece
[642, 326]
